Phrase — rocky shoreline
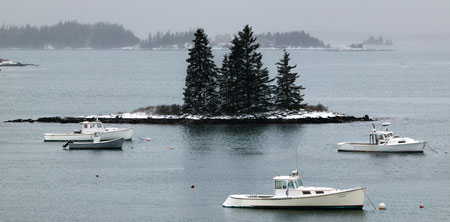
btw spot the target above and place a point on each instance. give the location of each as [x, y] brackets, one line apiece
[183, 120]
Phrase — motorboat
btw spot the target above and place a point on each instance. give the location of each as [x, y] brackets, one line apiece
[96, 144]
[86, 133]
[384, 141]
[291, 193]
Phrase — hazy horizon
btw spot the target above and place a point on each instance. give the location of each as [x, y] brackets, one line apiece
[331, 21]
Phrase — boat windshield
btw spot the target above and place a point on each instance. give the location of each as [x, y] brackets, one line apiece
[294, 184]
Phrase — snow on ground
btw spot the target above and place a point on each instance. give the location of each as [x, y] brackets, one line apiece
[268, 115]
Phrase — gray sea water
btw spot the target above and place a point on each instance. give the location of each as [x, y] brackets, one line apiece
[147, 182]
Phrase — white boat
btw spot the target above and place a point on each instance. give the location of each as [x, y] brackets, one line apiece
[96, 144]
[87, 133]
[290, 193]
[385, 141]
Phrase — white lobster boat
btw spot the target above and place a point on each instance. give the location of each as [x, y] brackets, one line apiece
[88, 129]
[290, 193]
[385, 141]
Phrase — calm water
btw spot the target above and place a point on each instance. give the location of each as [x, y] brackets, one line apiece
[146, 181]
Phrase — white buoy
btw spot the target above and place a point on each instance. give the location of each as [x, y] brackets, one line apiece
[382, 206]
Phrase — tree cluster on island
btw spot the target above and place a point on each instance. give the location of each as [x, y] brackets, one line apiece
[72, 34]
[372, 40]
[69, 34]
[180, 40]
[242, 85]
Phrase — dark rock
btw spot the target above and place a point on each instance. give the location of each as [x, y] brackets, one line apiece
[206, 121]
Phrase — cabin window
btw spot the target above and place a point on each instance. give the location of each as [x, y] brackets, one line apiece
[299, 183]
[99, 125]
[278, 184]
[284, 184]
[291, 185]
[306, 192]
[401, 141]
[319, 192]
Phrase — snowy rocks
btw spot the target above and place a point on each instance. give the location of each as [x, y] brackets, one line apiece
[297, 117]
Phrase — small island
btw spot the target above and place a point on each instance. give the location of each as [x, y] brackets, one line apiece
[239, 92]
[7, 62]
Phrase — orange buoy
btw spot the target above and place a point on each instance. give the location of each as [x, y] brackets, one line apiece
[96, 175]
[421, 206]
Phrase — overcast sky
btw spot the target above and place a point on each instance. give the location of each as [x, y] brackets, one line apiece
[331, 20]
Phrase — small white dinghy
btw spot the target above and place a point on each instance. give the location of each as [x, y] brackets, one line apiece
[87, 133]
[384, 141]
[290, 193]
[96, 144]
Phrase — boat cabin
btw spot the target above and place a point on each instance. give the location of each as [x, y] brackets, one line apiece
[380, 137]
[292, 186]
[284, 183]
[91, 127]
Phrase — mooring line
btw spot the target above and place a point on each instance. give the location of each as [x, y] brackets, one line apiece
[428, 145]
[374, 208]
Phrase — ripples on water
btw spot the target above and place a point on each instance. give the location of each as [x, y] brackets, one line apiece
[146, 181]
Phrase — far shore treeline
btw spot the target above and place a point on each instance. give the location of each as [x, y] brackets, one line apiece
[101, 35]
[242, 85]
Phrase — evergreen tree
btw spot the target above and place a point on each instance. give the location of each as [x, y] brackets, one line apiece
[244, 80]
[201, 92]
[288, 95]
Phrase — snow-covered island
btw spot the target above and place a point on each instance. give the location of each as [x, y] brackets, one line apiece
[298, 117]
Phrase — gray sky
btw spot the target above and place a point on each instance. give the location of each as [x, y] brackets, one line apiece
[331, 20]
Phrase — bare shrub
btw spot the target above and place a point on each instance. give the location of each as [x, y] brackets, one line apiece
[316, 108]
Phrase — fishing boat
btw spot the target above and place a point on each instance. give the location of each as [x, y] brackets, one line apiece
[290, 193]
[96, 144]
[384, 141]
[86, 133]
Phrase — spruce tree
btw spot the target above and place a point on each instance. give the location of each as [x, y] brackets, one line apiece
[201, 92]
[243, 76]
[288, 95]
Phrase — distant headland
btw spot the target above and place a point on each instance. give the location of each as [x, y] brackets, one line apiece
[102, 35]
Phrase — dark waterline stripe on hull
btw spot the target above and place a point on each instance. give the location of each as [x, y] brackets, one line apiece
[353, 207]
[361, 151]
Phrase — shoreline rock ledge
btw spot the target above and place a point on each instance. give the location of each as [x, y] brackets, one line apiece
[265, 118]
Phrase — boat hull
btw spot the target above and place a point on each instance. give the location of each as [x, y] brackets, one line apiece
[416, 147]
[125, 133]
[110, 144]
[344, 199]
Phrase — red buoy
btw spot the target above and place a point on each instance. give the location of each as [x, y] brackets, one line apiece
[421, 206]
